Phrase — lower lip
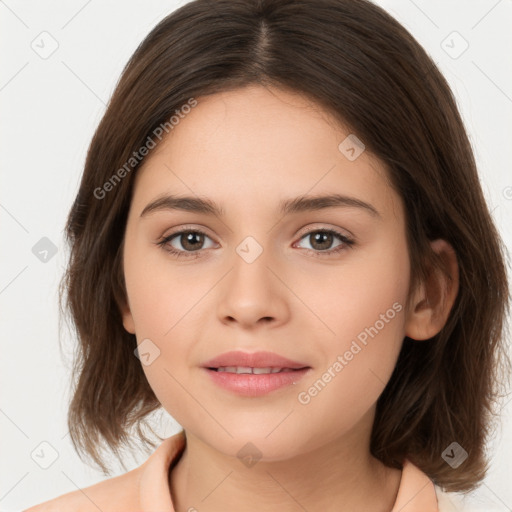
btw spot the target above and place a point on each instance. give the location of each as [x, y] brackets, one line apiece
[250, 384]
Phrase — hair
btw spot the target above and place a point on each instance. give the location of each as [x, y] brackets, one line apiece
[359, 64]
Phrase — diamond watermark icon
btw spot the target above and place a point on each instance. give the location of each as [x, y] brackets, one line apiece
[249, 249]
[454, 45]
[147, 352]
[351, 147]
[249, 455]
[44, 250]
[44, 454]
[454, 455]
[45, 45]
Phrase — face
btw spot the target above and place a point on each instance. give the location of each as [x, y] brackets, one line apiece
[325, 287]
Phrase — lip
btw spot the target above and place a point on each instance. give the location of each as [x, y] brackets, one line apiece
[248, 384]
[253, 360]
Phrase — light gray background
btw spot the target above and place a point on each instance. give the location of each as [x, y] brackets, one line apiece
[49, 110]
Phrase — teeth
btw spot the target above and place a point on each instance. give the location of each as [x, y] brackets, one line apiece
[247, 369]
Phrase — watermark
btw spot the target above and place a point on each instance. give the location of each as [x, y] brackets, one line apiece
[44, 455]
[507, 192]
[304, 397]
[249, 249]
[351, 147]
[249, 455]
[147, 352]
[45, 45]
[454, 45]
[138, 156]
[44, 250]
[454, 455]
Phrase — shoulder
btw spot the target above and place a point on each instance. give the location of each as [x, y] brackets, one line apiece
[141, 488]
[457, 502]
[117, 494]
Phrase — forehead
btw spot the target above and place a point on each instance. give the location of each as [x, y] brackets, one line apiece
[257, 145]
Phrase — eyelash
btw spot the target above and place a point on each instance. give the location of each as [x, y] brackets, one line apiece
[347, 243]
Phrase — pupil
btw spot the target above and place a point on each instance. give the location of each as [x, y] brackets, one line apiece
[318, 238]
[189, 240]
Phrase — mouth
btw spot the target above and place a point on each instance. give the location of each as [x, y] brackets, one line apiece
[253, 373]
[250, 381]
[255, 370]
[237, 361]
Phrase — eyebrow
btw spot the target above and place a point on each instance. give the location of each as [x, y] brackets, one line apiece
[287, 206]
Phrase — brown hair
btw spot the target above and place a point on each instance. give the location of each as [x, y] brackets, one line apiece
[362, 66]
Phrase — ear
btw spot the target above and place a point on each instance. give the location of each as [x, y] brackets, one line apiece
[128, 322]
[432, 302]
[121, 296]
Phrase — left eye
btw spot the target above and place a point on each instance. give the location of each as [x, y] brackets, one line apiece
[322, 240]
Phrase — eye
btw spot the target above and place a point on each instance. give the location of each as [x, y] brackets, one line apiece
[321, 241]
[190, 240]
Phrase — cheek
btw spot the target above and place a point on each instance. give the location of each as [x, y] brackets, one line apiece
[161, 293]
[168, 380]
[162, 297]
[364, 305]
[351, 296]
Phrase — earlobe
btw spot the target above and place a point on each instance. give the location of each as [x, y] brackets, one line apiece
[128, 322]
[433, 301]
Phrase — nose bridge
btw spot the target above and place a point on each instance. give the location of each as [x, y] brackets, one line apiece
[252, 291]
[251, 274]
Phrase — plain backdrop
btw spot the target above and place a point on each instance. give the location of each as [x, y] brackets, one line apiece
[50, 106]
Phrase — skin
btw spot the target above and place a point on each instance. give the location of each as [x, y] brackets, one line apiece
[247, 150]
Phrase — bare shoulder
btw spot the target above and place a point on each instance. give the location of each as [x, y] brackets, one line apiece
[117, 494]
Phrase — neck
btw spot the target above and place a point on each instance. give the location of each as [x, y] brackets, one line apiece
[333, 477]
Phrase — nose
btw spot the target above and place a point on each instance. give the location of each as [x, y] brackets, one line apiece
[253, 293]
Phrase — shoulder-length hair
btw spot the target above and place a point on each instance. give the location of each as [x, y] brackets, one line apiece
[361, 65]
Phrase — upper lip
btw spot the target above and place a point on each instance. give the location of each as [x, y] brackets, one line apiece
[252, 360]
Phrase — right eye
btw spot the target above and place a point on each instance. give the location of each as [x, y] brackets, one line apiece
[190, 240]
